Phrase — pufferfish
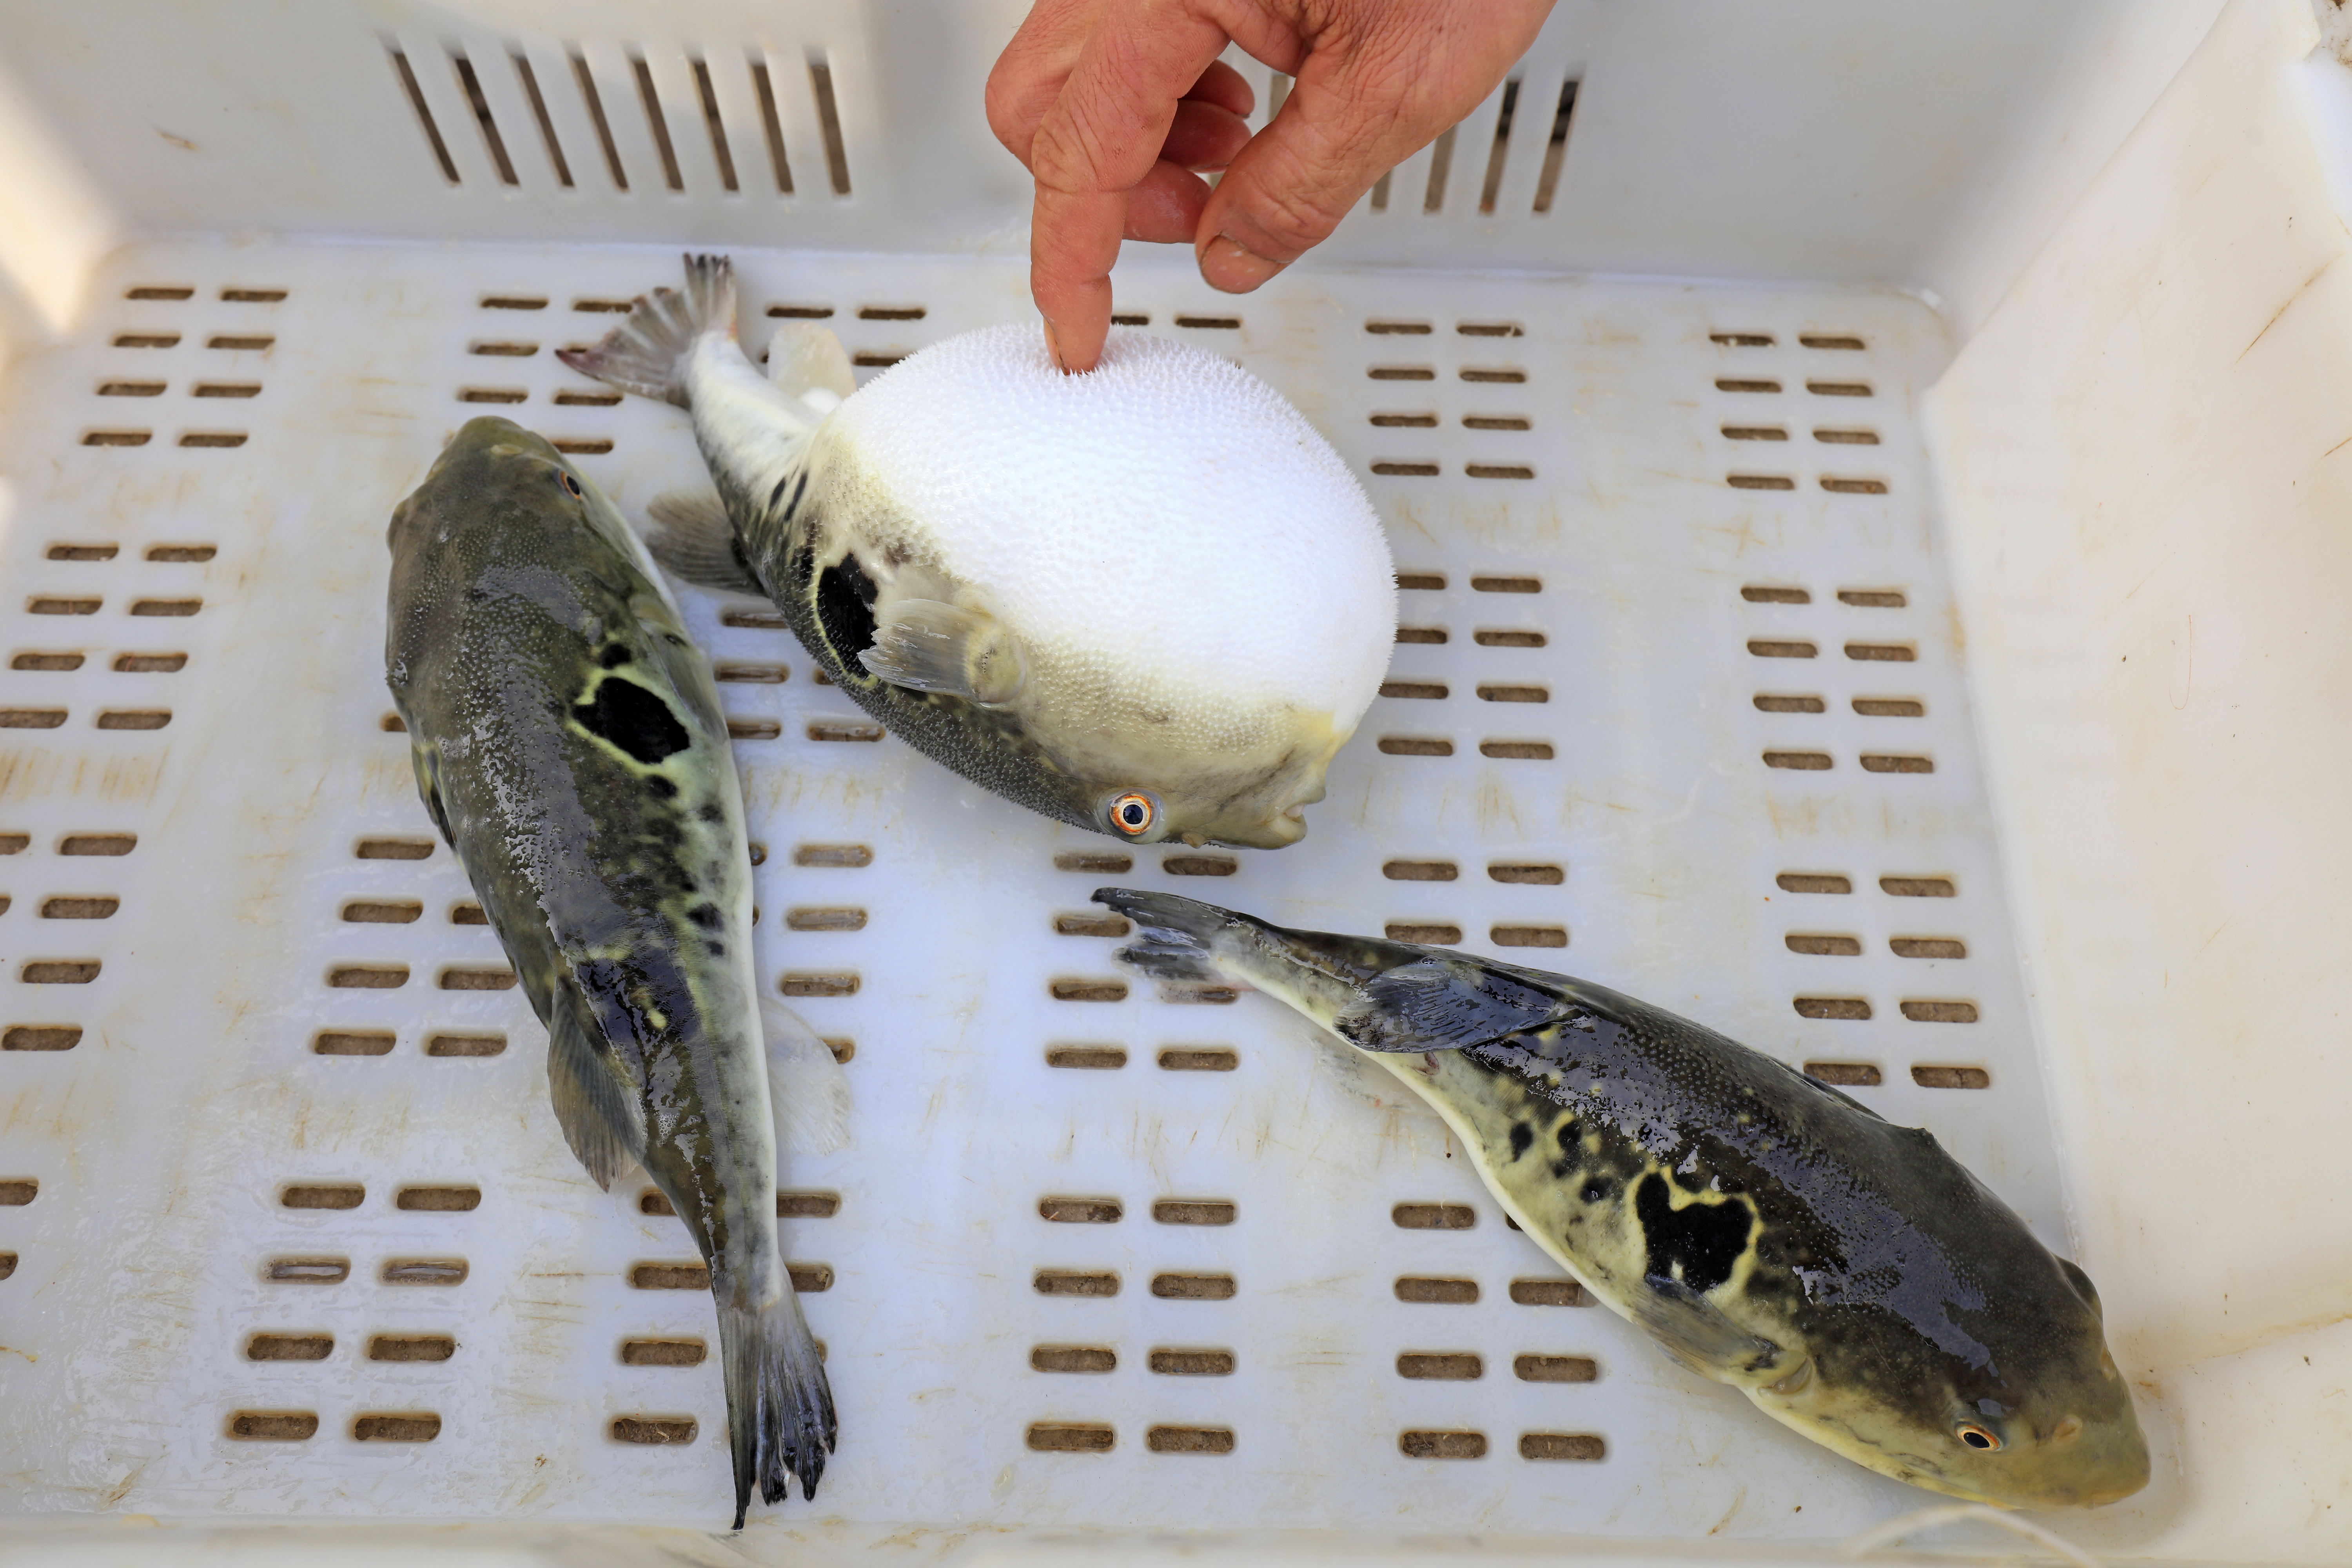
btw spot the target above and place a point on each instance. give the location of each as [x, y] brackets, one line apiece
[1148, 600]
[1855, 1281]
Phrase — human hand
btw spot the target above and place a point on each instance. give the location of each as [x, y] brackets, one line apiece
[1115, 105]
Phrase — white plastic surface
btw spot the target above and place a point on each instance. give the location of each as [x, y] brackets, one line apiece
[164, 1143]
[2131, 468]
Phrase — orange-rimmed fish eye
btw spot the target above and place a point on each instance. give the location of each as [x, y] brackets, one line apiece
[1983, 1439]
[571, 485]
[1134, 813]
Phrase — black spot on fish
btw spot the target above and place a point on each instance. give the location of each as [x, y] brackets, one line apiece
[704, 915]
[709, 812]
[1522, 1135]
[844, 610]
[1597, 1189]
[1560, 1168]
[633, 718]
[799, 491]
[1696, 1244]
[661, 788]
[614, 656]
[778, 493]
[716, 949]
[1566, 1134]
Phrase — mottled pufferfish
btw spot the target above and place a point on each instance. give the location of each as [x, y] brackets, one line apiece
[568, 744]
[1148, 600]
[1855, 1281]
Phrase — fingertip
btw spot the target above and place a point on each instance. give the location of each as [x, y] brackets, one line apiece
[1074, 353]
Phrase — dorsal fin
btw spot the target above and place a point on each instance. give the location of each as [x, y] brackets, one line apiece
[1445, 1002]
[807, 1090]
[804, 358]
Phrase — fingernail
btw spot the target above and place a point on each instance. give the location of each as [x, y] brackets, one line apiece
[1054, 347]
[1231, 270]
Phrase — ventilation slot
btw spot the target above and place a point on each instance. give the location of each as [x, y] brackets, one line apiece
[408, 85]
[530, 80]
[1555, 150]
[651, 99]
[1495, 155]
[719, 148]
[1189, 1439]
[1064, 1437]
[828, 113]
[1088, 1057]
[482, 106]
[1199, 1059]
[416, 1348]
[774, 124]
[595, 102]
[1441, 160]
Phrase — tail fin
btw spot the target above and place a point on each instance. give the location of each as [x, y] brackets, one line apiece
[646, 353]
[1177, 936]
[779, 1419]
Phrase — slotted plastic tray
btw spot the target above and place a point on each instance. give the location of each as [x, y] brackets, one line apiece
[1676, 706]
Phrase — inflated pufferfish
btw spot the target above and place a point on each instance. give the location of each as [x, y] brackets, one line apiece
[1847, 1274]
[1148, 600]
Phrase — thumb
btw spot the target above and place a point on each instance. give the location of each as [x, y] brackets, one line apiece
[1285, 190]
[1373, 86]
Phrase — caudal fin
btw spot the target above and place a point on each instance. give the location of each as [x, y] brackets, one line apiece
[646, 355]
[1175, 937]
[779, 1419]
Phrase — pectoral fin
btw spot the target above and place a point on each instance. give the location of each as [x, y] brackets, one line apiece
[925, 645]
[807, 1090]
[1696, 1332]
[688, 531]
[599, 1113]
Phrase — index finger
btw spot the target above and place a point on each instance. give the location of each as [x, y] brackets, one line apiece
[1098, 142]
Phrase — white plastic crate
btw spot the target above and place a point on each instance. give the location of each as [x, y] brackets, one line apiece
[1700, 644]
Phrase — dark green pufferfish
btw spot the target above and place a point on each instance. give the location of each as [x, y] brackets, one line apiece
[569, 745]
[1847, 1274]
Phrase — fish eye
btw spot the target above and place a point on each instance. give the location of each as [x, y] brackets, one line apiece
[1980, 1438]
[1134, 813]
[571, 485]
